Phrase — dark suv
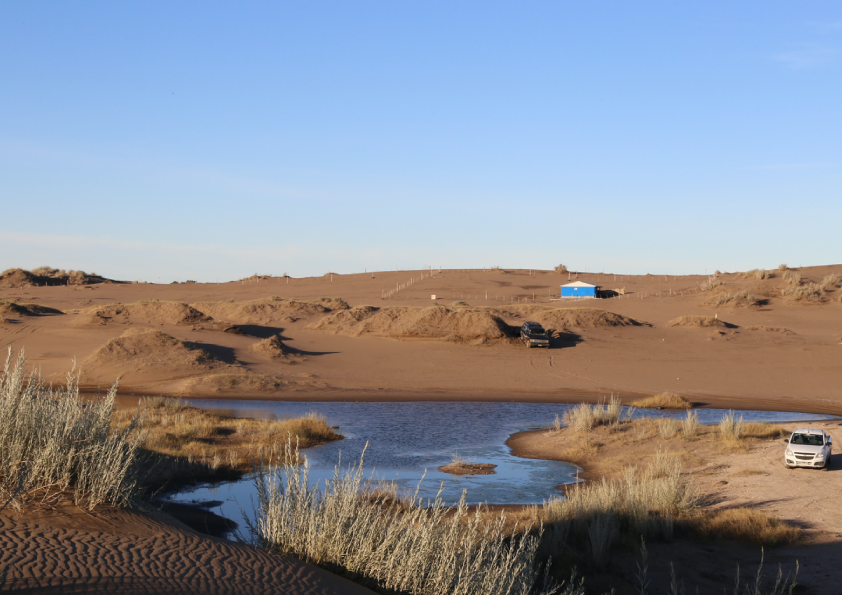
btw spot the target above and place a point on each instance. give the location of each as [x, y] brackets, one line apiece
[534, 335]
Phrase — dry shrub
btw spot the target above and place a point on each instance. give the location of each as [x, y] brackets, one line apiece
[832, 281]
[667, 428]
[52, 441]
[746, 525]
[782, 267]
[812, 292]
[710, 284]
[792, 278]
[561, 268]
[643, 503]
[758, 274]
[409, 547]
[731, 427]
[664, 400]
[584, 417]
[736, 299]
[690, 425]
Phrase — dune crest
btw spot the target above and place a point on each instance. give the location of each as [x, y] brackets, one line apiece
[144, 312]
[270, 309]
[473, 325]
[558, 318]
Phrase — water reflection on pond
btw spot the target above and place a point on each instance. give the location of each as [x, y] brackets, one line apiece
[408, 439]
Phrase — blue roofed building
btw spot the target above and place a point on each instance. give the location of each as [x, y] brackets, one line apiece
[580, 289]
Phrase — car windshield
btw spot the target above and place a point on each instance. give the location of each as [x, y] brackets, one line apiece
[535, 329]
[808, 439]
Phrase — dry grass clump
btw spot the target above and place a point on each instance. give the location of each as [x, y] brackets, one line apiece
[644, 502]
[26, 309]
[736, 299]
[792, 278]
[758, 274]
[560, 268]
[746, 525]
[52, 442]
[664, 400]
[812, 292]
[407, 547]
[183, 442]
[831, 282]
[584, 417]
[782, 267]
[690, 425]
[710, 284]
[667, 428]
[731, 427]
[763, 431]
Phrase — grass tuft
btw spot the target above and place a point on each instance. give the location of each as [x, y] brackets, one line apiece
[584, 417]
[736, 299]
[664, 400]
[746, 525]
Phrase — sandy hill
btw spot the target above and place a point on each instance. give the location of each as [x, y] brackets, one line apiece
[139, 352]
[144, 312]
[474, 325]
[269, 310]
[275, 348]
[46, 276]
[560, 318]
[12, 308]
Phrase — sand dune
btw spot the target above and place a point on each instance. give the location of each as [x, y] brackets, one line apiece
[269, 310]
[139, 352]
[559, 318]
[461, 325]
[144, 312]
[117, 551]
[275, 348]
[14, 309]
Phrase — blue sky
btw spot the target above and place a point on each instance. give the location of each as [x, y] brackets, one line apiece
[214, 140]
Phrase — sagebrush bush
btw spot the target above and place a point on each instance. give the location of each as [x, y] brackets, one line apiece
[758, 274]
[831, 282]
[782, 267]
[392, 545]
[51, 441]
[584, 417]
[731, 426]
[738, 298]
[812, 292]
[792, 278]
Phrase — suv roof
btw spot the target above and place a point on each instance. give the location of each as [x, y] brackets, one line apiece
[807, 431]
[531, 324]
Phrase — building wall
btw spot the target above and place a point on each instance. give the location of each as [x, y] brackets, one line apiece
[578, 292]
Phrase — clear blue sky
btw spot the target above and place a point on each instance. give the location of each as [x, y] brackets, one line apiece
[207, 141]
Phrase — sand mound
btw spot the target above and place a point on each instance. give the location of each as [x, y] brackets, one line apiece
[473, 325]
[243, 383]
[268, 310]
[698, 321]
[141, 351]
[275, 348]
[558, 318]
[13, 308]
[46, 276]
[62, 549]
[145, 312]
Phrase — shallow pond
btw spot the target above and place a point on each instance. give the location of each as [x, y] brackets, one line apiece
[408, 439]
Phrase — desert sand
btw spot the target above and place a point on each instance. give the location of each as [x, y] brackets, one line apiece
[777, 354]
[386, 339]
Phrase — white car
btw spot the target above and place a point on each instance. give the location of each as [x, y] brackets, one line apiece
[808, 448]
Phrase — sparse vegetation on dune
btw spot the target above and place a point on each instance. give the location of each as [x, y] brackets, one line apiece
[183, 443]
[350, 527]
[664, 400]
[13, 308]
[811, 292]
[585, 417]
[698, 321]
[832, 281]
[737, 299]
[746, 525]
[760, 274]
[52, 442]
[792, 278]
